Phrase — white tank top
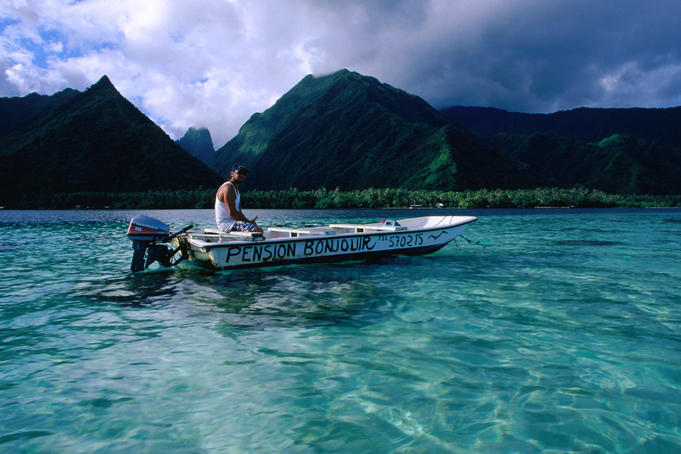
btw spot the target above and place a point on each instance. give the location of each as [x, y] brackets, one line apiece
[221, 214]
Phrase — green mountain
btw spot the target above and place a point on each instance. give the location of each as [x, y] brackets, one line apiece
[588, 124]
[96, 141]
[617, 150]
[20, 114]
[617, 164]
[351, 131]
[343, 130]
[198, 143]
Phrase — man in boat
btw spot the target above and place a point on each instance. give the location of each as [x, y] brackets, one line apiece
[228, 214]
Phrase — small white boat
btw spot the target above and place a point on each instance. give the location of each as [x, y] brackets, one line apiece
[280, 246]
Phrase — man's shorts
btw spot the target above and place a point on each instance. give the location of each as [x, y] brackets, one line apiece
[241, 226]
[238, 226]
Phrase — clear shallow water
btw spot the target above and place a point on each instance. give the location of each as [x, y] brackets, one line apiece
[562, 334]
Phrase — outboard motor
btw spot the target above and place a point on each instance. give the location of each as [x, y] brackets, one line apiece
[146, 233]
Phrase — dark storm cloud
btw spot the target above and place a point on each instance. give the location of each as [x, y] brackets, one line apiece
[543, 56]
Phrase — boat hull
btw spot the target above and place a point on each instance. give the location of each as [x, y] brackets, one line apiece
[314, 249]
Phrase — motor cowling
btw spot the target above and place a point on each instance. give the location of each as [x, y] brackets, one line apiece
[146, 233]
[145, 228]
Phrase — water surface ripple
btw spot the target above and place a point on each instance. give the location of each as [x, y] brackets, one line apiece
[562, 334]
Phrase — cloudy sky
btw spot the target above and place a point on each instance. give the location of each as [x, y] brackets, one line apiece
[214, 63]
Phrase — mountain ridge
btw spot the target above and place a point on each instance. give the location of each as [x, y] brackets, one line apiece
[97, 141]
[198, 142]
[343, 130]
[585, 123]
[20, 113]
[351, 131]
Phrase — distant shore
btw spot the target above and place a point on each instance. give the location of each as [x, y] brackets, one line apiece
[365, 198]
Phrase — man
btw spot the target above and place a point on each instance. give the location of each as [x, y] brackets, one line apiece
[228, 214]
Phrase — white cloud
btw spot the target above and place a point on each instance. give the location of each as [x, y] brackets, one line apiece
[642, 87]
[214, 63]
[206, 63]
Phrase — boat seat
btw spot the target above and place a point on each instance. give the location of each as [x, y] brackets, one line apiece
[298, 232]
[358, 228]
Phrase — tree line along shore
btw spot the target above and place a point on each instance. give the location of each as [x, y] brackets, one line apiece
[330, 199]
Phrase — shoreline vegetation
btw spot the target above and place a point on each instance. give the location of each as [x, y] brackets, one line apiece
[335, 198]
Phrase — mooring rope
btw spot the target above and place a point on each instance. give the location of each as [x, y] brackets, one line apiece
[478, 243]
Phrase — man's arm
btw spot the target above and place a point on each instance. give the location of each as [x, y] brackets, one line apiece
[229, 199]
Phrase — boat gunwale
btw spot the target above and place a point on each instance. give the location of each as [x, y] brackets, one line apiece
[206, 246]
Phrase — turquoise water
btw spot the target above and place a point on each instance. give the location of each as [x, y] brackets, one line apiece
[562, 334]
